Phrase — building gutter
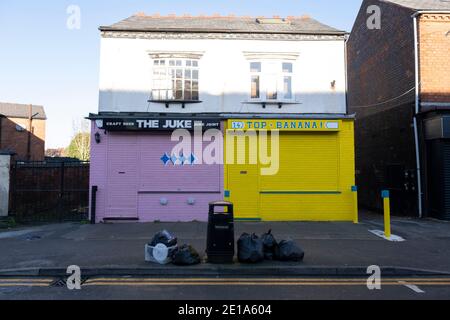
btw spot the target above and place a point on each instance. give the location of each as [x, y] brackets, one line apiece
[228, 31]
[287, 116]
[221, 116]
[346, 72]
[418, 13]
[417, 110]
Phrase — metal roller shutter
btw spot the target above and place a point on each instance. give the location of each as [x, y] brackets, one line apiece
[313, 183]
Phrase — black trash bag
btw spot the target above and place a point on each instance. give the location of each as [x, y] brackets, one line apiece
[270, 245]
[165, 238]
[289, 251]
[186, 256]
[250, 249]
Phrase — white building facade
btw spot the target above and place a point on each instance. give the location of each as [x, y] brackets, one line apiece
[303, 69]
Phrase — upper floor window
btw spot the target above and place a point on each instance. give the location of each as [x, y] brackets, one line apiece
[175, 79]
[255, 69]
[271, 80]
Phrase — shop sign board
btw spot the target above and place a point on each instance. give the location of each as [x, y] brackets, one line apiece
[155, 124]
[286, 125]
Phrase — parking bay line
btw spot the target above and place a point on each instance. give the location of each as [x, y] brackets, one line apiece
[25, 282]
[22, 284]
[413, 287]
[8, 280]
[411, 283]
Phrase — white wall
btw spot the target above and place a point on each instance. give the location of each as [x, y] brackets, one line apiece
[126, 75]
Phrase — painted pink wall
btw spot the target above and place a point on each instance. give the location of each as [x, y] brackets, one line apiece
[144, 180]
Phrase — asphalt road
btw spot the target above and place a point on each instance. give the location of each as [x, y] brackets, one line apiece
[225, 289]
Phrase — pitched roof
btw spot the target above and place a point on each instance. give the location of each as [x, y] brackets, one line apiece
[423, 4]
[220, 24]
[15, 110]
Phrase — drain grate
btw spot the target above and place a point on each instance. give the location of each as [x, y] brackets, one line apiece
[59, 283]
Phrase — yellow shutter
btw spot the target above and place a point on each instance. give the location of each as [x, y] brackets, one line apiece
[314, 180]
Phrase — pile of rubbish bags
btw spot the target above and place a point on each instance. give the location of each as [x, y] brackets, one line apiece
[164, 249]
[165, 238]
[184, 255]
[254, 249]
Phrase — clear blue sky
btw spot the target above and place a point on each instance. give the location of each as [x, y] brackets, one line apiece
[43, 62]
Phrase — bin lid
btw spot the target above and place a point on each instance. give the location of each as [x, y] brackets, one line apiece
[220, 203]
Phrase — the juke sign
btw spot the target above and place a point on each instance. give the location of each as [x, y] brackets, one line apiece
[143, 124]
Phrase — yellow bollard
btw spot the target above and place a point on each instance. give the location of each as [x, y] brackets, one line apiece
[387, 213]
[355, 203]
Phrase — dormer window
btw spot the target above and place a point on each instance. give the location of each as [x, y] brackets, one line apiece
[274, 20]
[175, 80]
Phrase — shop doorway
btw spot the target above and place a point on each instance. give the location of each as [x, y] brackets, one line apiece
[243, 183]
[122, 175]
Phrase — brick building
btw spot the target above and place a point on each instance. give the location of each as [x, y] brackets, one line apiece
[22, 131]
[399, 88]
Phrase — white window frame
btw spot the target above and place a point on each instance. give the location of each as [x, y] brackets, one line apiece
[167, 72]
[272, 76]
[254, 74]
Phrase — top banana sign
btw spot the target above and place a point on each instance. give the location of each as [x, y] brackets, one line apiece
[286, 125]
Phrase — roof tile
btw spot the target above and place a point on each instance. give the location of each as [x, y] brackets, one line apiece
[217, 23]
[15, 110]
[422, 4]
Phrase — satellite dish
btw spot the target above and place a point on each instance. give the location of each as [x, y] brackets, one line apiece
[160, 253]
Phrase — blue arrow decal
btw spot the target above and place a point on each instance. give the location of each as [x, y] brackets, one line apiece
[182, 159]
[174, 159]
[193, 159]
[165, 159]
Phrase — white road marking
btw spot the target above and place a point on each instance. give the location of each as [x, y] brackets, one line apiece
[393, 238]
[414, 288]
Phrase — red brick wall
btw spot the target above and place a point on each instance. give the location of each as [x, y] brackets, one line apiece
[381, 62]
[381, 67]
[17, 141]
[434, 50]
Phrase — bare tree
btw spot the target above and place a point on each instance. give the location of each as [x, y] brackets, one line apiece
[55, 153]
[80, 145]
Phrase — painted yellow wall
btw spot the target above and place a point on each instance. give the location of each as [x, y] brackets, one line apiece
[315, 178]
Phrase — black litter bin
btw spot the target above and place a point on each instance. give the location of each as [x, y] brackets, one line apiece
[220, 239]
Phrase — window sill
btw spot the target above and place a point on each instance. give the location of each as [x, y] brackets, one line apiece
[280, 104]
[169, 102]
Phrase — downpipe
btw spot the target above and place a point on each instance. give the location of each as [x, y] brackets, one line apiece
[417, 109]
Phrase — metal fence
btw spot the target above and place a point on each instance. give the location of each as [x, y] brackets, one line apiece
[49, 192]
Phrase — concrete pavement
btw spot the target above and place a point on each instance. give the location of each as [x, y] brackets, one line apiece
[331, 248]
